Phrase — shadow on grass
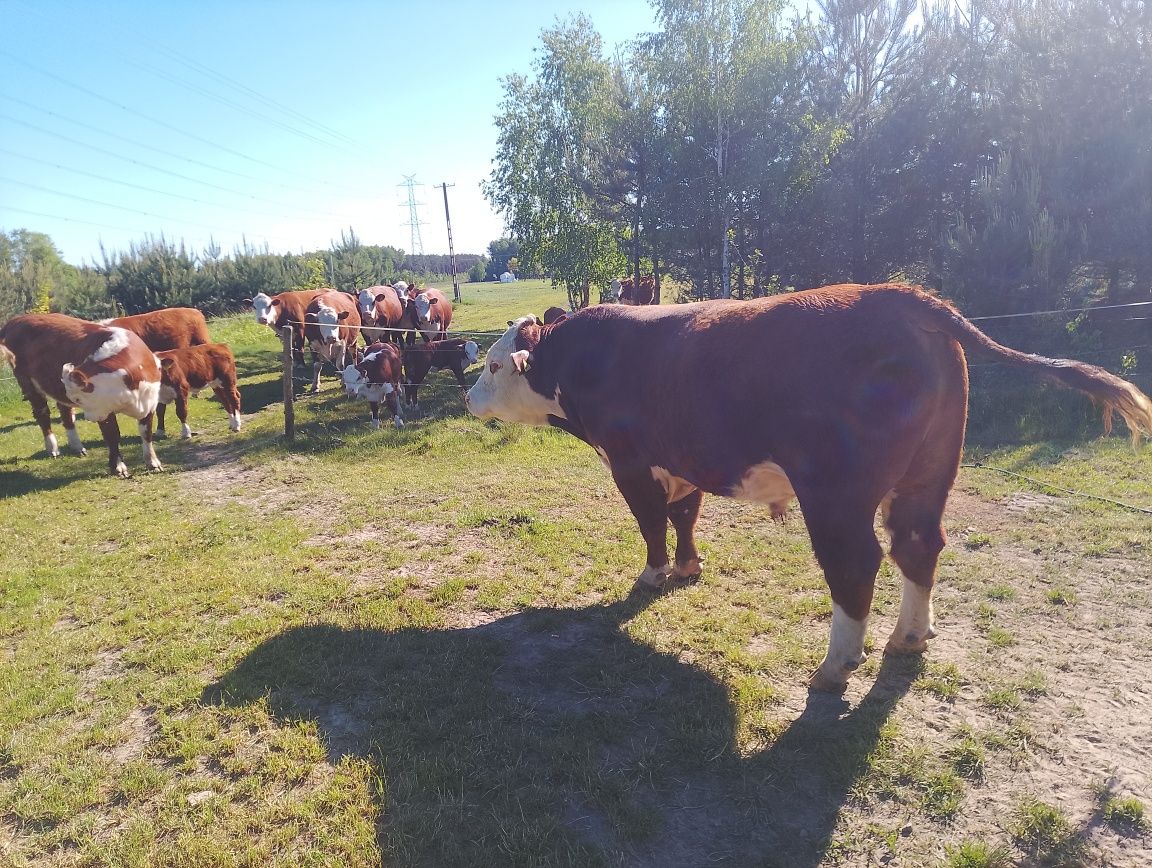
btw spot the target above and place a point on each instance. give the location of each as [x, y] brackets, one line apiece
[14, 483]
[551, 737]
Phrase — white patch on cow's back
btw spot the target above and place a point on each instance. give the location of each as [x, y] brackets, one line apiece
[674, 487]
[766, 483]
[116, 343]
[505, 393]
[110, 394]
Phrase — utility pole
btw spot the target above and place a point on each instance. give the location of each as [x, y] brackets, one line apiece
[451, 250]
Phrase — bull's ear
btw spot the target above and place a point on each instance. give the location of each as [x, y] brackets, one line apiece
[380, 297]
[522, 360]
[342, 315]
[167, 364]
[539, 321]
[433, 300]
[511, 322]
[247, 303]
[275, 302]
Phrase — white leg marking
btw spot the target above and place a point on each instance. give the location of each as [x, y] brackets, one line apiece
[74, 442]
[653, 577]
[315, 378]
[185, 431]
[150, 459]
[234, 422]
[845, 651]
[375, 424]
[914, 627]
[397, 421]
[122, 469]
[51, 446]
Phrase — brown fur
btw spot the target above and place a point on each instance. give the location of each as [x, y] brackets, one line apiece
[168, 329]
[440, 312]
[386, 314]
[191, 369]
[419, 359]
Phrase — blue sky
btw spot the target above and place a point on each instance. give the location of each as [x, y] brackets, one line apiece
[279, 122]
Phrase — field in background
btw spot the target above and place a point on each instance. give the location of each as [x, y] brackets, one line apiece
[421, 647]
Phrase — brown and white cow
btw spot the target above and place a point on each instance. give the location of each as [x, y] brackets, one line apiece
[103, 370]
[331, 327]
[455, 355]
[169, 329]
[851, 398]
[187, 371]
[629, 291]
[286, 308]
[376, 378]
[553, 314]
[428, 312]
[381, 309]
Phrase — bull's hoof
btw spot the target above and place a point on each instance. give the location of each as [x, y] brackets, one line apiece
[398, 422]
[822, 683]
[159, 434]
[314, 391]
[908, 643]
[156, 468]
[652, 579]
[82, 452]
[120, 470]
[689, 571]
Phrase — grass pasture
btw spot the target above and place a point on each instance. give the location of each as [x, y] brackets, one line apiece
[420, 647]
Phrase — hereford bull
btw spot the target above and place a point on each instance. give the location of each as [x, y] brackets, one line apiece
[103, 370]
[331, 326]
[286, 308]
[169, 329]
[428, 312]
[376, 378]
[381, 309]
[187, 371]
[419, 359]
[850, 398]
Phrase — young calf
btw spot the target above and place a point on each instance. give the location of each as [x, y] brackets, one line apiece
[331, 326]
[419, 359]
[103, 370]
[286, 308]
[190, 370]
[376, 378]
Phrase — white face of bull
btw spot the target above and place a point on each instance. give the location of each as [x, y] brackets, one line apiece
[264, 309]
[471, 352]
[329, 322]
[423, 306]
[502, 392]
[367, 302]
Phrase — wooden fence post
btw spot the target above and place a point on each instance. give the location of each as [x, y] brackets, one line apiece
[289, 392]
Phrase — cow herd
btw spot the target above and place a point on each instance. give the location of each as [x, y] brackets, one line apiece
[387, 318]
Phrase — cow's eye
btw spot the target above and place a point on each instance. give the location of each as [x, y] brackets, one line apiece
[494, 367]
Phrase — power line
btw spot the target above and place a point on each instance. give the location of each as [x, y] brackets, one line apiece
[136, 186]
[139, 144]
[144, 165]
[71, 219]
[157, 121]
[413, 215]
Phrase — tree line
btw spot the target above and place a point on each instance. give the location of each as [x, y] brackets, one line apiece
[158, 272]
[998, 151]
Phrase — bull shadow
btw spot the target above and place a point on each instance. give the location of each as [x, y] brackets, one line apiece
[552, 737]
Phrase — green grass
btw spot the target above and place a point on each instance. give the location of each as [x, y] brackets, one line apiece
[1044, 833]
[419, 647]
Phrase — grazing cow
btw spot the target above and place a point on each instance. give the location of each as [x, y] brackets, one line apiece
[103, 370]
[850, 398]
[419, 359]
[210, 366]
[553, 314]
[331, 326]
[169, 329]
[376, 378]
[381, 308]
[428, 312]
[277, 311]
[628, 291]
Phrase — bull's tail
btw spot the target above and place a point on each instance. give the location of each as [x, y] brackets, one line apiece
[1112, 393]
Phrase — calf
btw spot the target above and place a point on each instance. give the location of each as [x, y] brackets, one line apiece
[210, 366]
[419, 359]
[169, 329]
[376, 378]
[287, 308]
[630, 291]
[381, 309]
[428, 312]
[553, 314]
[103, 370]
[851, 398]
[331, 326]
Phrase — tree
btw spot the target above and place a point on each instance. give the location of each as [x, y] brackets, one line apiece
[545, 161]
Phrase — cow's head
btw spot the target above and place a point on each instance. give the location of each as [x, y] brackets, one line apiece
[266, 308]
[367, 302]
[503, 391]
[329, 319]
[424, 306]
[471, 352]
